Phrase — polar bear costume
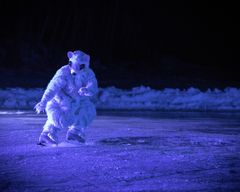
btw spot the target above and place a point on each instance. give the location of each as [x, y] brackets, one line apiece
[66, 100]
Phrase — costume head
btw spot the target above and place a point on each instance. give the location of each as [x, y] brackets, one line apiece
[78, 60]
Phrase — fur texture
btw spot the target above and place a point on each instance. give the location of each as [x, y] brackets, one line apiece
[67, 97]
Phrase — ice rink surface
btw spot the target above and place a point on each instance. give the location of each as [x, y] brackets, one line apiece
[125, 151]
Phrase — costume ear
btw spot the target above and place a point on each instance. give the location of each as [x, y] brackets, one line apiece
[69, 54]
[87, 58]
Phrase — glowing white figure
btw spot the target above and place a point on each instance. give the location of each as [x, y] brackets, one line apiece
[67, 100]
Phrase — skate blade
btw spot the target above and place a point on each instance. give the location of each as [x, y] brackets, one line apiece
[47, 144]
[75, 142]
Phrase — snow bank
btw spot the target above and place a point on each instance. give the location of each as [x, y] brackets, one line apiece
[137, 98]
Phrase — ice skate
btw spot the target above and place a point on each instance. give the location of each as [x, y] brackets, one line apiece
[47, 139]
[74, 137]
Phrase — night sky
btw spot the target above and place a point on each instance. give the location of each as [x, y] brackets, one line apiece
[154, 43]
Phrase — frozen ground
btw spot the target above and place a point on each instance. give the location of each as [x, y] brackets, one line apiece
[125, 151]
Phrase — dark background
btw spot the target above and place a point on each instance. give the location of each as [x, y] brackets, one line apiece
[160, 44]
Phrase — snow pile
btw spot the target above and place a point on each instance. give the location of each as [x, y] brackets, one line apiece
[137, 98]
[19, 98]
[169, 99]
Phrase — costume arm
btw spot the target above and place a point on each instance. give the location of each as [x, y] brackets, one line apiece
[92, 84]
[53, 87]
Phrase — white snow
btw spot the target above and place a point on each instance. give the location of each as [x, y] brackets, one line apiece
[141, 97]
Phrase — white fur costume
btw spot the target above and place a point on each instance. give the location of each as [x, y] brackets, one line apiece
[67, 97]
